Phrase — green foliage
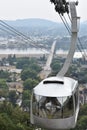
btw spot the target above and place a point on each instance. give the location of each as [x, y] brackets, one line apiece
[82, 76]
[43, 58]
[22, 63]
[3, 84]
[25, 62]
[6, 107]
[6, 123]
[78, 72]
[26, 94]
[4, 74]
[28, 73]
[13, 97]
[83, 110]
[82, 123]
[30, 83]
[11, 59]
[82, 119]
[13, 118]
[3, 88]
[55, 66]
[35, 67]
[26, 98]
[4, 93]
[30, 68]
[26, 104]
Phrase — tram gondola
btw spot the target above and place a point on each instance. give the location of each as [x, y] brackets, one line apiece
[55, 103]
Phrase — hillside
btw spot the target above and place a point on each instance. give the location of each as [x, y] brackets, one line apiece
[43, 26]
[39, 26]
[32, 22]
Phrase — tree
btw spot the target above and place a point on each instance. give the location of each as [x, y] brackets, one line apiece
[6, 123]
[82, 123]
[21, 63]
[3, 84]
[26, 95]
[28, 73]
[26, 98]
[13, 97]
[11, 59]
[3, 88]
[13, 117]
[35, 67]
[29, 84]
[82, 119]
[4, 74]
[55, 67]
[6, 107]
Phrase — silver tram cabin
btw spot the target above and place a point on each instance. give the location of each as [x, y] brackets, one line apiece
[55, 103]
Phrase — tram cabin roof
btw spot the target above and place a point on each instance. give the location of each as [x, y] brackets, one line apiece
[56, 87]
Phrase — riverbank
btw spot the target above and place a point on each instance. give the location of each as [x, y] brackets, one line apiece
[22, 55]
[35, 53]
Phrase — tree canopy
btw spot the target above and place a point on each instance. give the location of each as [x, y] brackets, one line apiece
[28, 73]
[30, 83]
[13, 118]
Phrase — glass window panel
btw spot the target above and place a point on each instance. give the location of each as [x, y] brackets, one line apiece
[52, 107]
[68, 108]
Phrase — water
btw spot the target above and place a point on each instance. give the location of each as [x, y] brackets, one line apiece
[25, 51]
[37, 51]
[77, 54]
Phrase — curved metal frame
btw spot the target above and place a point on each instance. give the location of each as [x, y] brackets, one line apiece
[74, 32]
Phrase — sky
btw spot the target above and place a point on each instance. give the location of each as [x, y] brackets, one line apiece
[23, 9]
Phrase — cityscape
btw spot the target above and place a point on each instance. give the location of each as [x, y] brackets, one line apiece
[20, 70]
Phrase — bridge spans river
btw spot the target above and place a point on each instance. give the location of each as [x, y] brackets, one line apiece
[47, 69]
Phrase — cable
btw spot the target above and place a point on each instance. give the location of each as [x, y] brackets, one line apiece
[85, 55]
[6, 31]
[65, 25]
[19, 34]
[16, 31]
[10, 29]
[69, 31]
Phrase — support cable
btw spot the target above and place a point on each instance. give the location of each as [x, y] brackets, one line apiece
[11, 28]
[4, 30]
[65, 25]
[4, 24]
[78, 37]
[69, 31]
[80, 44]
[17, 33]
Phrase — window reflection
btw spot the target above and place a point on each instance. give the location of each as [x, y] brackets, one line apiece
[53, 107]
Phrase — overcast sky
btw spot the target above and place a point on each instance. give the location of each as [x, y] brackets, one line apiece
[21, 9]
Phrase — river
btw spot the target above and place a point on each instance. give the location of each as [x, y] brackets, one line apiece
[21, 51]
[36, 51]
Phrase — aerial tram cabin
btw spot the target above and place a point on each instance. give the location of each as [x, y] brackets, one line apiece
[55, 103]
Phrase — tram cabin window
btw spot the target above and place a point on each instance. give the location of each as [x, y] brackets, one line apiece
[53, 107]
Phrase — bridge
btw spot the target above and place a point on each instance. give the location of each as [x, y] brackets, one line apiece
[47, 69]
